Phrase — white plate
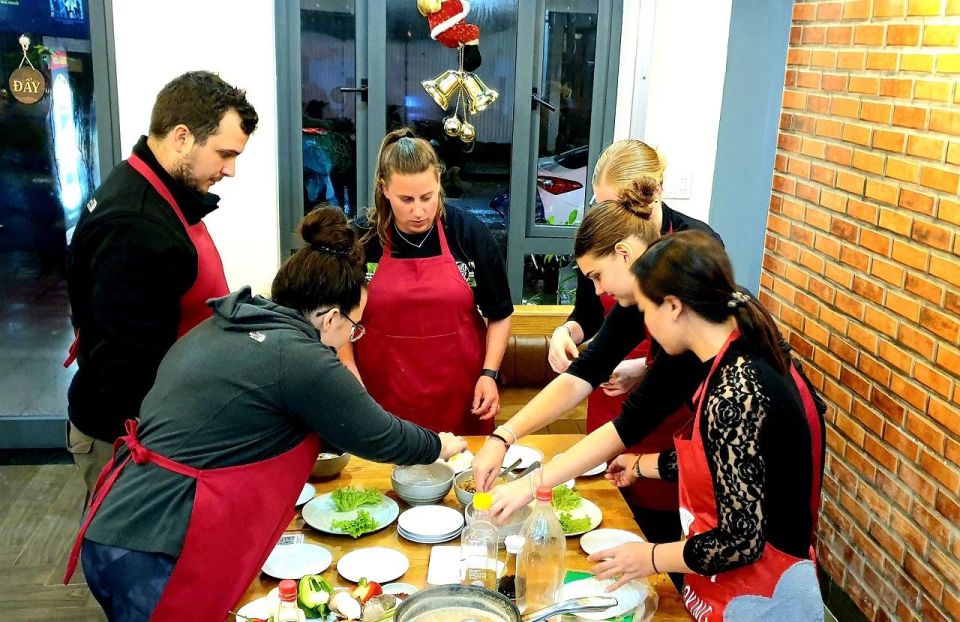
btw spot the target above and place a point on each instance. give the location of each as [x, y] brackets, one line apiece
[320, 513]
[308, 492]
[430, 521]
[602, 539]
[586, 509]
[376, 563]
[461, 462]
[292, 561]
[435, 540]
[628, 597]
[527, 455]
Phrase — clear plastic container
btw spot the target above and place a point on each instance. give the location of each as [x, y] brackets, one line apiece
[478, 546]
[507, 585]
[288, 610]
[540, 565]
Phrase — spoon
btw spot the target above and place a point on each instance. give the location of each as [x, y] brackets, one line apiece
[506, 470]
[526, 471]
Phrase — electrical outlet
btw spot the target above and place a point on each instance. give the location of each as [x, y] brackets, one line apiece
[676, 185]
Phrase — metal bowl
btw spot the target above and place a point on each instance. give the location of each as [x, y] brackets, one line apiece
[422, 484]
[329, 465]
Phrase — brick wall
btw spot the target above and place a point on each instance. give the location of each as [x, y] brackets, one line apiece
[861, 269]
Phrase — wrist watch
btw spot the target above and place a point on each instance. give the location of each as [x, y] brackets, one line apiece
[490, 373]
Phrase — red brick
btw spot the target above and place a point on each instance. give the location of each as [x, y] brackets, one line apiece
[869, 162]
[933, 379]
[808, 192]
[949, 359]
[795, 34]
[818, 334]
[939, 179]
[823, 175]
[807, 304]
[882, 192]
[917, 341]
[945, 414]
[876, 242]
[808, 79]
[839, 35]
[904, 170]
[827, 363]
[804, 12]
[839, 155]
[936, 526]
[822, 290]
[876, 112]
[866, 338]
[946, 268]
[941, 34]
[882, 61]
[819, 104]
[925, 147]
[910, 255]
[923, 287]
[895, 221]
[881, 321]
[910, 116]
[868, 34]
[916, 201]
[940, 324]
[851, 182]
[784, 184]
[897, 357]
[824, 59]
[793, 99]
[953, 154]
[952, 302]
[798, 56]
[862, 211]
[888, 8]
[833, 201]
[866, 85]
[856, 9]
[848, 426]
[909, 392]
[851, 60]
[895, 437]
[813, 148]
[894, 87]
[889, 140]
[948, 63]
[903, 34]
[844, 229]
[800, 168]
[932, 235]
[829, 11]
[849, 305]
[855, 382]
[947, 121]
[793, 210]
[780, 163]
[817, 218]
[845, 107]
[908, 531]
[774, 265]
[921, 63]
[837, 321]
[932, 90]
[924, 7]
[801, 236]
[855, 133]
[945, 565]
[828, 128]
[903, 305]
[788, 142]
[813, 34]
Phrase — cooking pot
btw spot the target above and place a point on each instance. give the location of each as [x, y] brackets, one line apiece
[436, 599]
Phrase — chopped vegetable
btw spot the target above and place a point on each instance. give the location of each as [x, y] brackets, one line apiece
[565, 499]
[346, 605]
[573, 525]
[366, 590]
[350, 498]
[362, 524]
[313, 594]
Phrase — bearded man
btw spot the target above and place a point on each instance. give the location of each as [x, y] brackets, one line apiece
[141, 264]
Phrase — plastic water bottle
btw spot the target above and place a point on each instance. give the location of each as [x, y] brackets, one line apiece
[540, 565]
[478, 545]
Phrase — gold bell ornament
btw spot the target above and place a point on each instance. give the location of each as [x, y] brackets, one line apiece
[464, 85]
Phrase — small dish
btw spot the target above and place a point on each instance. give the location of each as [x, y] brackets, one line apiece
[293, 561]
[308, 492]
[376, 563]
[398, 589]
[603, 539]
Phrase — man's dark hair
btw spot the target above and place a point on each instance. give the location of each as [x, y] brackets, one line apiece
[199, 99]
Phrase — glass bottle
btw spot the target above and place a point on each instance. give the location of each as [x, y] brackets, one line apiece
[288, 610]
[540, 565]
[507, 583]
[478, 545]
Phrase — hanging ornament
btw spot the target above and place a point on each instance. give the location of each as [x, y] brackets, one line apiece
[448, 26]
[26, 83]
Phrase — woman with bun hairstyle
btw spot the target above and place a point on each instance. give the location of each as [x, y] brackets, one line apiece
[204, 483]
[750, 463]
[435, 274]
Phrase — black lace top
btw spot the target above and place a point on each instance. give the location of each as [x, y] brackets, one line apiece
[758, 448]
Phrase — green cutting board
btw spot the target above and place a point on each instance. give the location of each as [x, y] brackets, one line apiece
[573, 575]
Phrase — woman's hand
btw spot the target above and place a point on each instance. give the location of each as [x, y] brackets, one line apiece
[562, 350]
[620, 470]
[487, 463]
[625, 376]
[623, 563]
[451, 444]
[486, 398]
[510, 497]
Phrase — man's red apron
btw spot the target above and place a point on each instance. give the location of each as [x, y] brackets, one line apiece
[239, 514]
[211, 281]
[425, 342]
[747, 589]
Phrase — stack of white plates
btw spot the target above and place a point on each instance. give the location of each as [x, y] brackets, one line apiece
[430, 524]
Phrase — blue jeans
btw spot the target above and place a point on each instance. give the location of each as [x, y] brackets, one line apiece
[127, 583]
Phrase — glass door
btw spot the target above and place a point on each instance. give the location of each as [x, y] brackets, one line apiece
[49, 165]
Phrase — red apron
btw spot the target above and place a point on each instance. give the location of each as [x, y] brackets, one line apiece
[211, 281]
[425, 342]
[776, 586]
[653, 494]
[239, 514]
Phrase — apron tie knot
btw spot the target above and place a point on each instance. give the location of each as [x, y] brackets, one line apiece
[139, 453]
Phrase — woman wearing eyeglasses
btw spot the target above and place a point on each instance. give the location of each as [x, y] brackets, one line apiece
[436, 274]
[186, 513]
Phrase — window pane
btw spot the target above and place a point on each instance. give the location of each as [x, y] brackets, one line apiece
[549, 280]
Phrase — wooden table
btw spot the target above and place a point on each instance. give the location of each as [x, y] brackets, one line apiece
[359, 472]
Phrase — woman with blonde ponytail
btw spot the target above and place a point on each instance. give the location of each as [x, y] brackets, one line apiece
[628, 174]
[435, 273]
